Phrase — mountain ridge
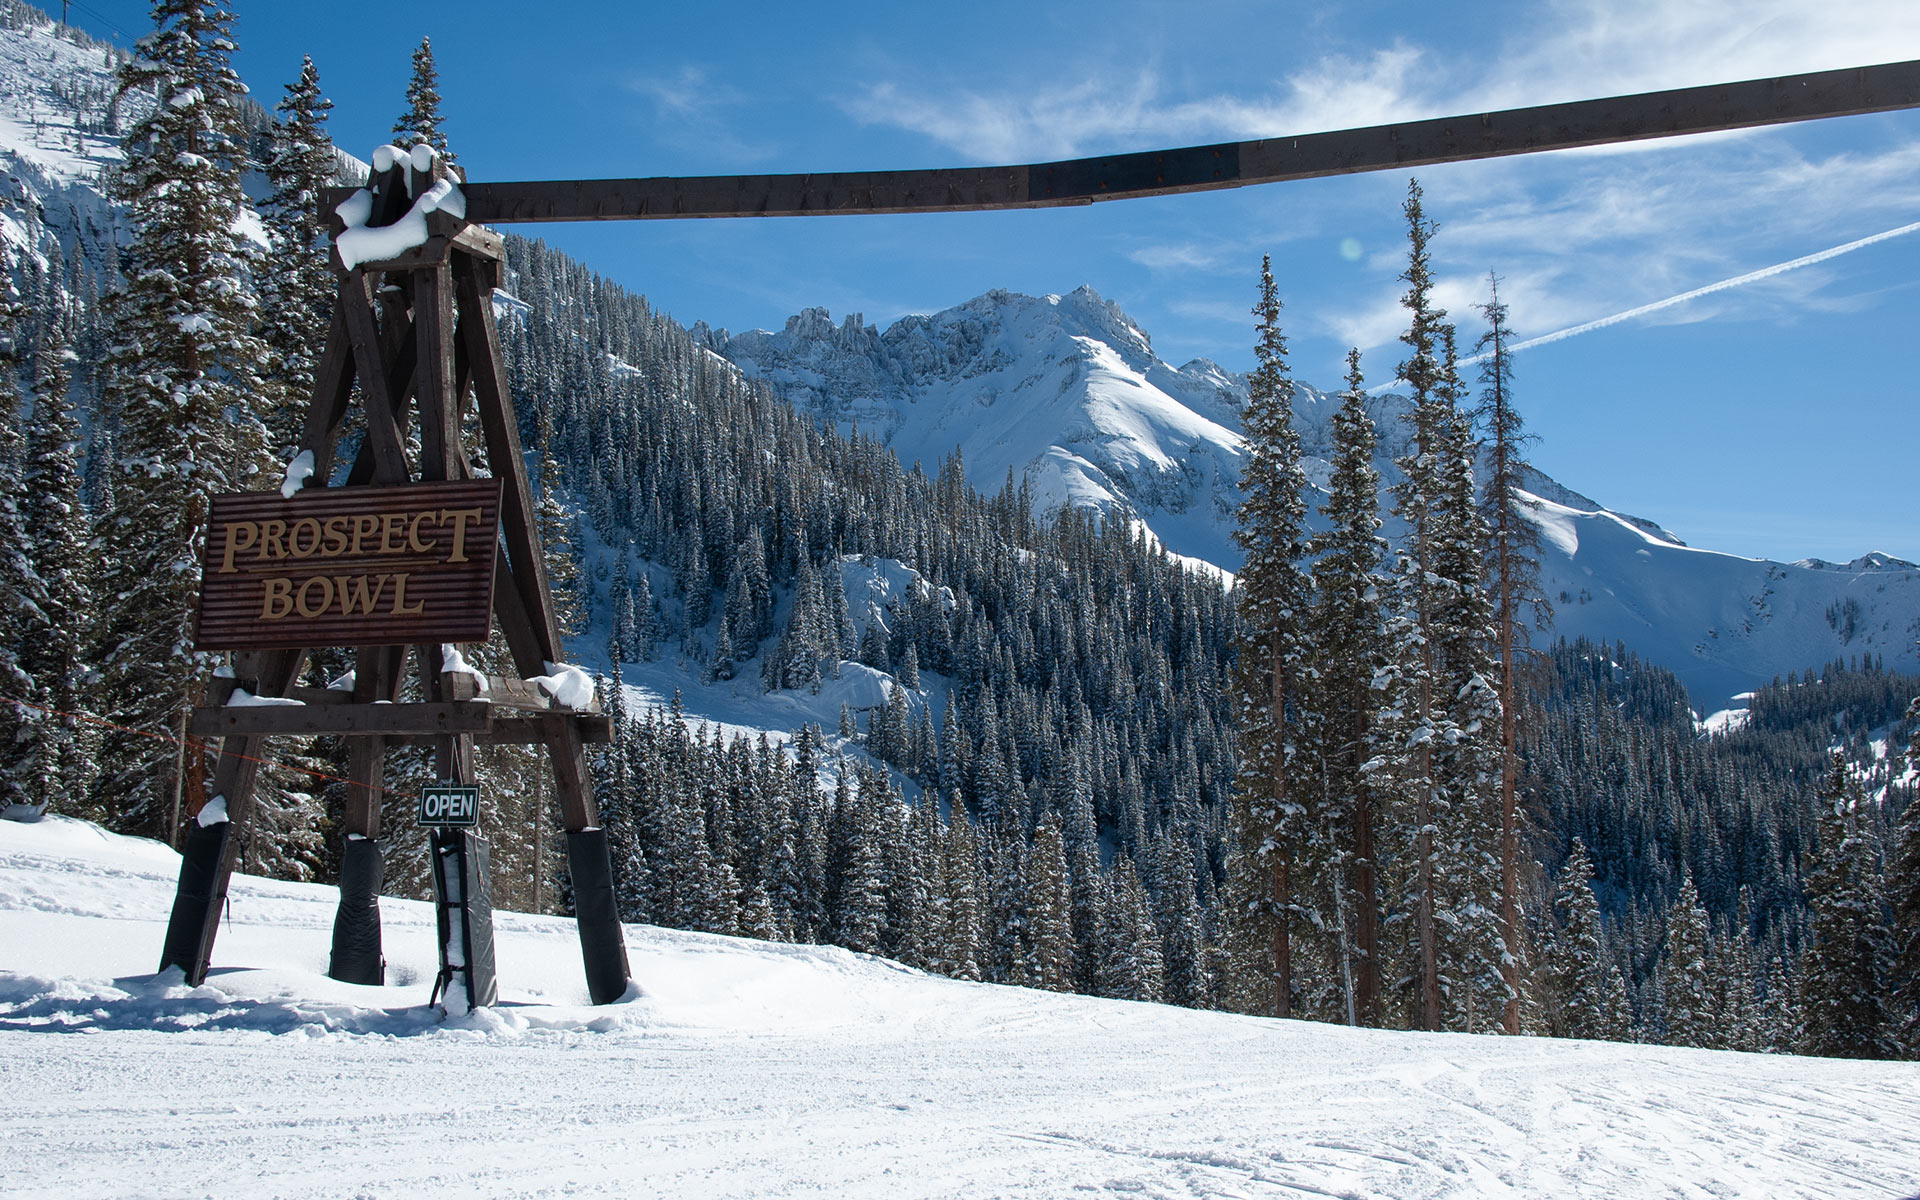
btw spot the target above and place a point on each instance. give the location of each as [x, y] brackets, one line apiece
[1065, 391]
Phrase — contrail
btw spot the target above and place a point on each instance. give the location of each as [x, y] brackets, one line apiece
[1560, 335]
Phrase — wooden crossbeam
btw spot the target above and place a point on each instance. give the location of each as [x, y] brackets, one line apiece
[1675, 112]
[314, 720]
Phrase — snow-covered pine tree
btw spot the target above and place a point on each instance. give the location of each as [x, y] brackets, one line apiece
[296, 282]
[1903, 894]
[1046, 958]
[1692, 1019]
[420, 121]
[55, 525]
[1843, 971]
[182, 380]
[1420, 807]
[960, 936]
[1513, 568]
[1350, 650]
[1182, 930]
[856, 880]
[1467, 764]
[560, 539]
[1272, 673]
[1577, 967]
[1130, 965]
[22, 617]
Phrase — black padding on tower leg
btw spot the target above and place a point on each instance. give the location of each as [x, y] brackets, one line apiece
[483, 985]
[463, 900]
[190, 929]
[357, 954]
[602, 946]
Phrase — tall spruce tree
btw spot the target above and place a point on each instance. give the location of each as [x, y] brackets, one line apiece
[182, 379]
[297, 284]
[22, 616]
[55, 525]
[1420, 504]
[1577, 966]
[1349, 651]
[1270, 823]
[420, 121]
[1514, 572]
[1473, 946]
[1903, 894]
[1692, 1018]
[1843, 972]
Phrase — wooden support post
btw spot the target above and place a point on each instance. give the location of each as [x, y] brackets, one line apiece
[357, 952]
[207, 864]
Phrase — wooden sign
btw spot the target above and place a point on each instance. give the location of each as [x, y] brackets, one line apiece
[360, 566]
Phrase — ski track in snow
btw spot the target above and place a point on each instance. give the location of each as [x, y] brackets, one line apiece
[747, 1069]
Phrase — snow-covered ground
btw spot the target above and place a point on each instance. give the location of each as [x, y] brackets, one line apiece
[754, 1070]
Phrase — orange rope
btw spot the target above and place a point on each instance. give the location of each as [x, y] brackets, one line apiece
[190, 743]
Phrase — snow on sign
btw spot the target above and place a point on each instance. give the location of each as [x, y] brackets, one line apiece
[450, 804]
[358, 566]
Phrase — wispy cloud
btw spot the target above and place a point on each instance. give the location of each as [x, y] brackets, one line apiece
[1115, 108]
[1568, 50]
[692, 110]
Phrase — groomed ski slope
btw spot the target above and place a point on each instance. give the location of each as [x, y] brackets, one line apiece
[743, 1069]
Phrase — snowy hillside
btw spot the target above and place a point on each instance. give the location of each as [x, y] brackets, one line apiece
[1066, 391]
[59, 128]
[745, 1069]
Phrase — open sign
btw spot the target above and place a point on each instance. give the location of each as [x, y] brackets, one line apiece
[450, 804]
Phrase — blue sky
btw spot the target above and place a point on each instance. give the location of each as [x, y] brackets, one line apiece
[1776, 418]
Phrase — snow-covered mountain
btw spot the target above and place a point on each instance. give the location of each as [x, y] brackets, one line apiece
[1066, 392]
[751, 1069]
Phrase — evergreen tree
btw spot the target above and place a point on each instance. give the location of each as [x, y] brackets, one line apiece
[182, 376]
[1421, 805]
[22, 615]
[1350, 652]
[420, 121]
[959, 939]
[1577, 966]
[1182, 930]
[1692, 1019]
[297, 283]
[1046, 958]
[1843, 971]
[55, 526]
[1903, 887]
[1513, 567]
[1273, 599]
[559, 528]
[1130, 965]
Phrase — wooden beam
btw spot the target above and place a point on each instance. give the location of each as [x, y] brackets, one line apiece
[541, 729]
[518, 532]
[1672, 113]
[383, 433]
[402, 373]
[376, 677]
[440, 457]
[396, 720]
[332, 394]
